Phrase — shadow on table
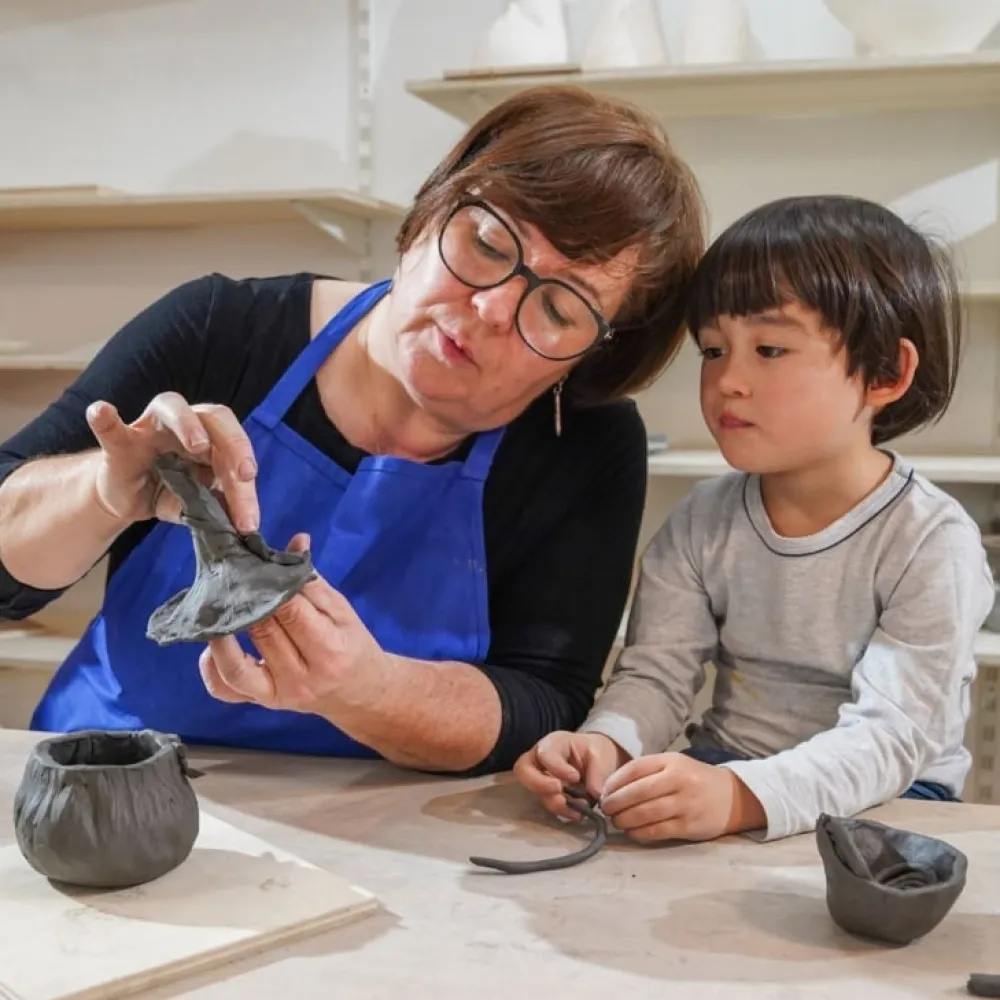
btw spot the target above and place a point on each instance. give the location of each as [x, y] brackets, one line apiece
[469, 816]
[452, 818]
[774, 929]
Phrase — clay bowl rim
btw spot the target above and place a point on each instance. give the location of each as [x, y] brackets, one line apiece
[165, 746]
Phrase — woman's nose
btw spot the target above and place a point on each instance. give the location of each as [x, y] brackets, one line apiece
[497, 306]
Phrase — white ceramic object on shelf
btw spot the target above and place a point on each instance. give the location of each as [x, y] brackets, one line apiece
[917, 27]
[527, 33]
[717, 31]
[625, 33]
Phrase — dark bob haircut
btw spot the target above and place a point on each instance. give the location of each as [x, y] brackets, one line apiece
[873, 280]
[595, 176]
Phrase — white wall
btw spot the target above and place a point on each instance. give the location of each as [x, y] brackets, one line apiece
[175, 95]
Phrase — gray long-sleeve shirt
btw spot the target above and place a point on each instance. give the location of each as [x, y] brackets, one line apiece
[844, 659]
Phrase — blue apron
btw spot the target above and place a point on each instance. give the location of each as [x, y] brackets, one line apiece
[401, 540]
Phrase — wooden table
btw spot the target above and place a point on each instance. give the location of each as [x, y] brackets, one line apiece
[731, 919]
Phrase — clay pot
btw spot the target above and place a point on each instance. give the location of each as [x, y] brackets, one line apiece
[917, 27]
[717, 31]
[625, 33]
[887, 885]
[527, 33]
[106, 809]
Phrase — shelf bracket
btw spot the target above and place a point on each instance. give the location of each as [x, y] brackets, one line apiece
[346, 230]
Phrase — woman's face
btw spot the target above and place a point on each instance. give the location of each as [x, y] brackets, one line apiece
[457, 349]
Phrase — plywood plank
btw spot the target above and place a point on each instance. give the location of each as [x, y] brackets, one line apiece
[235, 895]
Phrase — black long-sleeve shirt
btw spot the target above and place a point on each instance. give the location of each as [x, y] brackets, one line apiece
[561, 514]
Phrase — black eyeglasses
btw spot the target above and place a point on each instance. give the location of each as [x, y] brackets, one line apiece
[482, 251]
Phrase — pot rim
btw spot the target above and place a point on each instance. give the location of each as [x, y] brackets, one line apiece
[165, 745]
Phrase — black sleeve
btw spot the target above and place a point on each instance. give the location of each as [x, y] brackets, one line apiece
[160, 349]
[554, 619]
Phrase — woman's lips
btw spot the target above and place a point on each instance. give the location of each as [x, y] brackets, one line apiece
[453, 351]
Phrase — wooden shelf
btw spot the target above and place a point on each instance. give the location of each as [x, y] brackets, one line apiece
[988, 648]
[797, 87]
[70, 361]
[692, 464]
[981, 291]
[25, 646]
[113, 210]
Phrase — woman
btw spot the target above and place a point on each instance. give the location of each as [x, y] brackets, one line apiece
[456, 444]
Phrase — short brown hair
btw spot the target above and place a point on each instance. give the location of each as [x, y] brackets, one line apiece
[872, 278]
[595, 176]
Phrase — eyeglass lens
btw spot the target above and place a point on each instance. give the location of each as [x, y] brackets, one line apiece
[481, 251]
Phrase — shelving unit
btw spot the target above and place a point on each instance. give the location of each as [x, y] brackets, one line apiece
[341, 214]
[799, 87]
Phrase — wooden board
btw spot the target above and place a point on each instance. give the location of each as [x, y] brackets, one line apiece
[235, 895]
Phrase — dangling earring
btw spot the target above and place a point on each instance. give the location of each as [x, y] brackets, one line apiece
[557, 395]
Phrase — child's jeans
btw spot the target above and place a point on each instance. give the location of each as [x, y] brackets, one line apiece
[918, 790]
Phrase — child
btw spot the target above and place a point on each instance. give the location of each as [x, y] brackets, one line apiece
[838, 592]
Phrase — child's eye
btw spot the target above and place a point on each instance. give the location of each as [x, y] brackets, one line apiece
[711, 353]
[770, 352]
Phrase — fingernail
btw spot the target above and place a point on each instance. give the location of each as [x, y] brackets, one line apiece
[248, 469]
[197, 441]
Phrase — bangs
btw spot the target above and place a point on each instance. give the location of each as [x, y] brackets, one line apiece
[779, 255]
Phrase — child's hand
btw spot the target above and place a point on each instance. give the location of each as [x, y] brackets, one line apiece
[564, 759]
[670, 796]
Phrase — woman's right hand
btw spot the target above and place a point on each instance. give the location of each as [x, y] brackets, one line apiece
[563, 760]
[207, 435]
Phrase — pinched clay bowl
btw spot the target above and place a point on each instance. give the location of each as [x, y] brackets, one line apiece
[106, 809]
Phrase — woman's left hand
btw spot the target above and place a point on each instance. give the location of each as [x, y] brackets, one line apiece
[313, 649]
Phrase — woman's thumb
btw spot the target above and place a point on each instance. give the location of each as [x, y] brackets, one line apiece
[106, 424]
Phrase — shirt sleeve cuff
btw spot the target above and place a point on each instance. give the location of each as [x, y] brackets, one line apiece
[616, 727]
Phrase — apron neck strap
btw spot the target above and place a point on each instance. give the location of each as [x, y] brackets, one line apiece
[289, 387]
[480, 458]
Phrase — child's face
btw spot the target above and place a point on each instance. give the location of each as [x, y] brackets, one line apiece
[775, 392]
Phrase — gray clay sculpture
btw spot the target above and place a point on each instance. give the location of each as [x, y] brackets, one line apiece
[582, 803]
[983, 984]
[239, 579]
[106, 810]
[884, 884]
